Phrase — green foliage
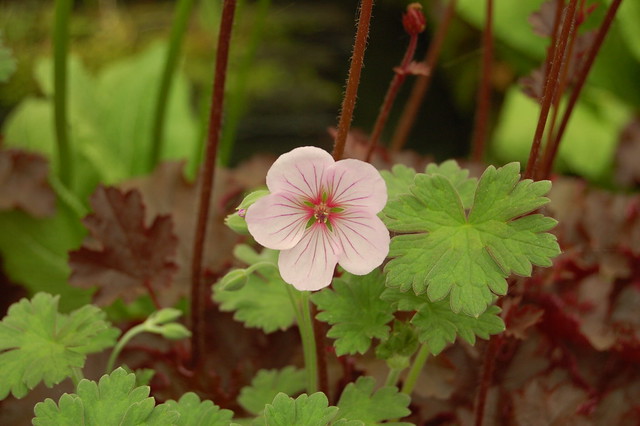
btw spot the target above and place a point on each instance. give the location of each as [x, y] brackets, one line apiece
[7, 62]
[39, 344]
[436, 324]
[398, 348]
[263, 302]
[267, 384]
[115, 400]
[359, 402]
[305, 410]
[398, 180]
[194, 412]
[355, 311]
[467, 256]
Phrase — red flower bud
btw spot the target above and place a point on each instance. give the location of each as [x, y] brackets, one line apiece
[414, 21]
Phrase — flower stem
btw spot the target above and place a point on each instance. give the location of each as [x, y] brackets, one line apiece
[390, 96]
[483, 102]
[422, 83]
[134, 331]
[351, 93]
[76, 376]
[61, 50]
[206, 188]
[178, 28]
[300, 302]
[488, 368]
[393, 376]
[416, 368]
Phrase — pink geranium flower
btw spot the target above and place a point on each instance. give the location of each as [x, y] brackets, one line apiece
[321, 212]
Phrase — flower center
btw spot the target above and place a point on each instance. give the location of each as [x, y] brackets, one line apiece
[321, 212]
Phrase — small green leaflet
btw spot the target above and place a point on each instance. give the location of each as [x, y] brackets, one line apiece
[305, 410]
[263, 302]
[39, 344]
[355, 311]
[466, 252]
[437, 325]
[267, 384]
[399, 347]
[113, 401]
[194, 412]
[7, 62]
[359, 402]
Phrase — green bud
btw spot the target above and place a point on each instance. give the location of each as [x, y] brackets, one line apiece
[165, 315]
[237, 223]
[246, 254]
[234, 280]
[235, 220]
[174, 331]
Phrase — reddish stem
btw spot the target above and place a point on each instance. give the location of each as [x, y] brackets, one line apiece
[422, 83]
[206, 188]
[484, 92]
[488, 367]
[582, 78]
[551, 85]
[390, 97]
[351, 93]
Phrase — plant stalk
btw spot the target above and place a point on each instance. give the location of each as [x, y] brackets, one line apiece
[206, 188]
[61, 51]
[393, 377]
[418, 364]
[300, 302]
[353, 81]
[178, 29]
[134, 331]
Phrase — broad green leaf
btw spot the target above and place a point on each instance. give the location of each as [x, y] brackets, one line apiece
[305, 410]
[355, 311]
[458, 177]
[267, 384]
[115, 400]
[38, 344]
[468, 256]
[263, 302]
[194, 412]
[398, 180]
[437, 325]
[359, 402]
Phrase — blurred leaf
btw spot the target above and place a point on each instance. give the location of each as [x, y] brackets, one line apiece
[194, 412]
[267, 384]
[7, 62]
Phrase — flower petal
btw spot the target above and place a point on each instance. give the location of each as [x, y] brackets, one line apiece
[364, 240]
[277, 221]
[310, 264]
[300, 171]
[357, 184]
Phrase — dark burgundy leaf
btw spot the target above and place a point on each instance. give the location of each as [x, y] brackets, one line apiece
[124, 257]
[24, 185]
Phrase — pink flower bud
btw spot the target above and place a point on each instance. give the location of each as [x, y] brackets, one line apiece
[414, 21]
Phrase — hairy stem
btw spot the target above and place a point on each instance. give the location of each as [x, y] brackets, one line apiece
[418, 363]
[488, 366]
[215, 122]
[483, 102]
[577, 89]
[61, 50]
[390, 97]
[551, 85]
[353, 81]
[178, 29]
[422, 83]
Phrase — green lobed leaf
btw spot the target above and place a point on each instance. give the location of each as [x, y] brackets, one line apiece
[437, 325]
[267, 384]
[359, 402]
[263, 302]
[398, 180]
[399, 347]
[458, 177]
[115, 400]
[355, 311]
[194, 412]
[305, 410]
[38, 344]
[468, 256]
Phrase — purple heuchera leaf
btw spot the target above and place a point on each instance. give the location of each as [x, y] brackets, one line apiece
[319, 213]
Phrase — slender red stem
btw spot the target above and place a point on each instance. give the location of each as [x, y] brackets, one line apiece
[483, 102]
[488, 367]
[580, 81]
[206, 188]
[396, 82]
[421, 85]
[551, 85]
[353, 81]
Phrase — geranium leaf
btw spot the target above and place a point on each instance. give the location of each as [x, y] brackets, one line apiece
[468, 256]
[355, 311]
[267, 384]
[115, 400]
[398, 180]
[125, 256]
[359, 402]
[437, 325]
[38, 344]
[305, 410]
[263, 302]
[194, 412]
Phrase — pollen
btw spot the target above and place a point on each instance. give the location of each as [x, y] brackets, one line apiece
[321, 212]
